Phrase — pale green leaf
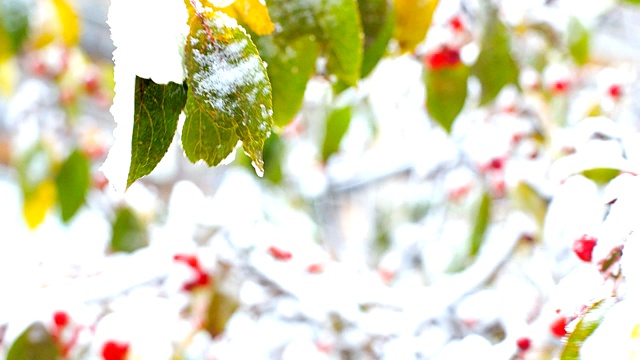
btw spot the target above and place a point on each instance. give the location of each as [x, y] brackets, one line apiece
[72, 183]
[336, 127]
[34, 343]
[446, 93]
[588, 323]
[128, 233]
[156, 111]
[483, 217]
[578, 41]
[14, 26]
[291, 65]
[495, 66]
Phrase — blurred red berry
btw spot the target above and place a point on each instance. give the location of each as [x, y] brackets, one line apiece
[442, 58]
[456, 24]
[523, 343]
[113, 350]
[91, 82]
[560, 87]
[583, 247]
[615, 91]
[190, 260]
[67, 96]
[280, 254]
[61, 319]
[386, 275]
[557, 327]
[315, 268]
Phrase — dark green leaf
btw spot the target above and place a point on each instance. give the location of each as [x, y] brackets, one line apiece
[155, 119]
[495, 67]
[72, 184]
[128, 233]
[337, 125]
[34, 343]
[335, 25]
[378, 22]
[229, 97]
[446, 93]
[585, 327]
[483, 216]
[578, 41]
[14, 24]
[291, 65]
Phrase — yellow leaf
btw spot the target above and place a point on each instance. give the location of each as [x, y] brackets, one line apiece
[413, 19]
[69, 20]
[5, 46]
[8, 76]
[254, 13]
[38, 202]
[58, 22]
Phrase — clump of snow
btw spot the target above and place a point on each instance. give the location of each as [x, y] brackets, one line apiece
[149, 44]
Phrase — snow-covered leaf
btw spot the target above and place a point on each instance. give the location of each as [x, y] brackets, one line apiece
[34, 343]
[229, 97]
[495, 67]
[290, 66]
[585, 327]
[157, 108]
[72, 184]
[413, 19]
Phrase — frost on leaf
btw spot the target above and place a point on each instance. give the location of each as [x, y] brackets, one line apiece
[229, 97]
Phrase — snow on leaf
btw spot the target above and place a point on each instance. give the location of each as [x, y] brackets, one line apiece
[157, 108]
[229, 97]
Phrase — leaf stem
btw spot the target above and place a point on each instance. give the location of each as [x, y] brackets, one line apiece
[198, 10]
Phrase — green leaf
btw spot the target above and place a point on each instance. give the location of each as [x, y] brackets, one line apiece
[529, 201]
[585, 327]
[337, 125]
[229, 97]
[128, 233]
[155, 119]
[495, 67]
[446, 93]
[273, 154]
[335, 25]
[378, 20]
[221, 307]
[483, 216]
[578, 41]
[601, 175]
[72, 184]
[34, 343]
[291, 65]
[634, 2]
[14, 26]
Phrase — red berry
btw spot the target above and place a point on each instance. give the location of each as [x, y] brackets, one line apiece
[557, 327]
[583, 247]
[560, 86]
[496, 164]
[190, 260]
[280, 254]
[91, 82]
[442, 58]
[615, 91]
[61, 319]
[456, 24]
[315, 268]
[113, 350]
[523, 343]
